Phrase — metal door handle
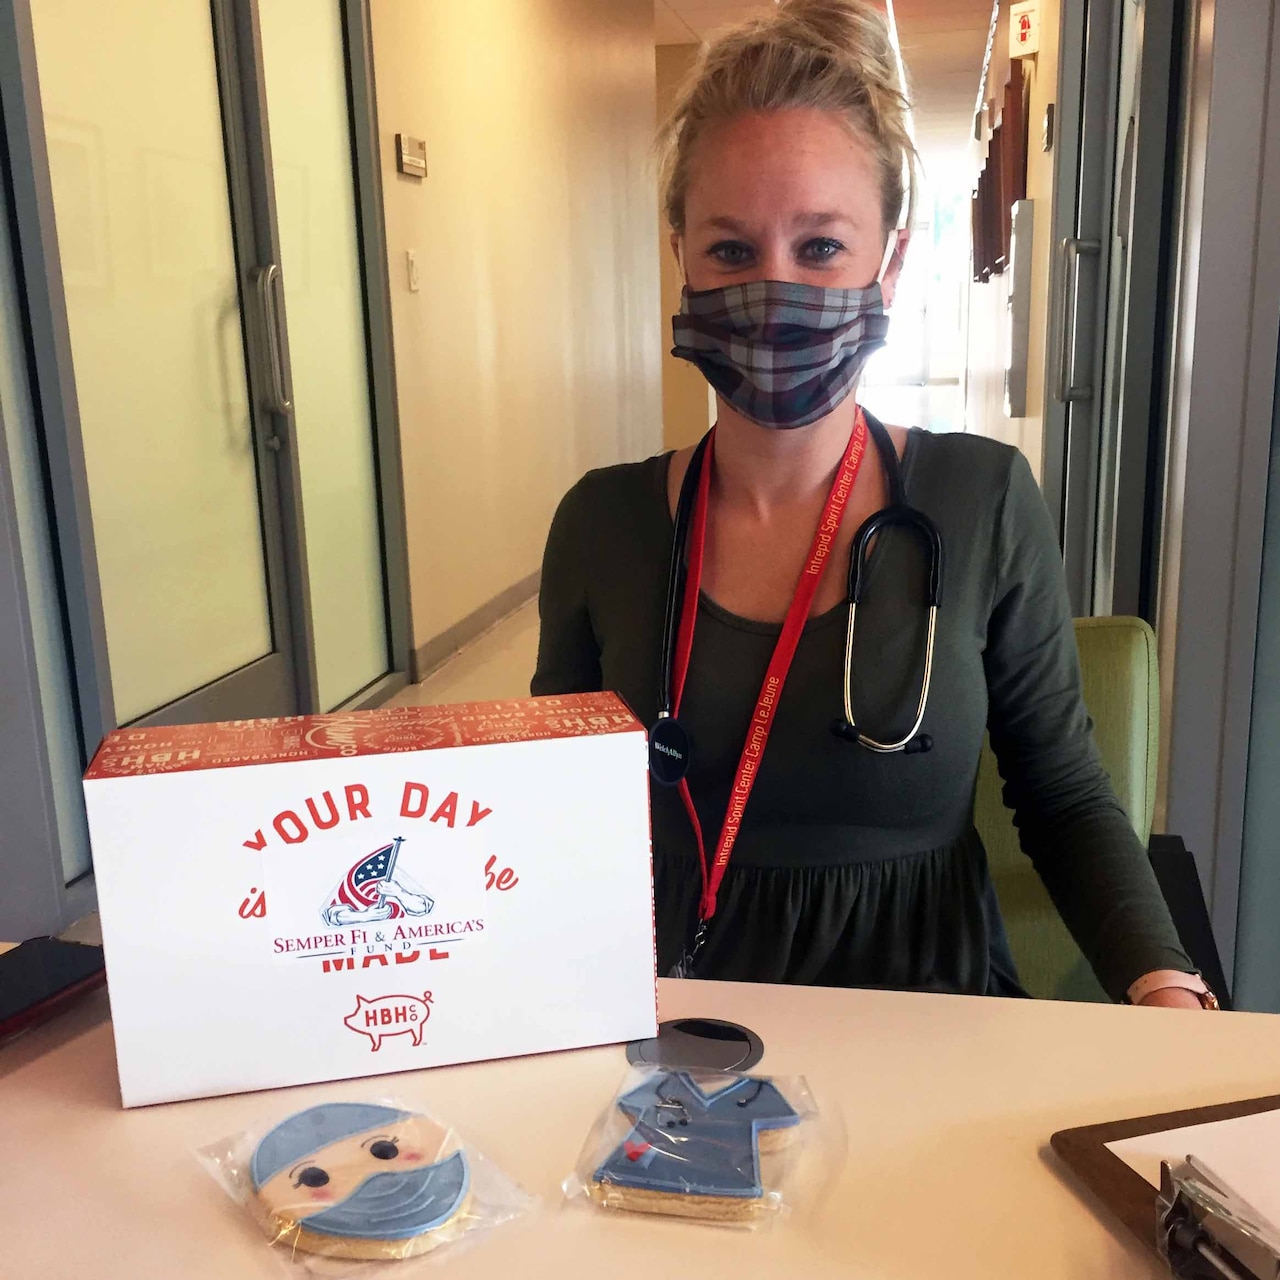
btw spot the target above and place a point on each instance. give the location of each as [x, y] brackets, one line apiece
[1070, 251]
[267, 281]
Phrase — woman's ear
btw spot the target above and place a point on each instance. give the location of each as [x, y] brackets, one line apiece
[889, 281]
[677, 247]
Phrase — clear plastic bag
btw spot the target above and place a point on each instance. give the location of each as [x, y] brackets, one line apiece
[357, 1187]
[719, 1148]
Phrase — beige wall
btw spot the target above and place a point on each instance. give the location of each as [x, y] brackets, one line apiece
[529, 355]
[1042, 74]
[988, 321]
[987, 336]
[687, 400]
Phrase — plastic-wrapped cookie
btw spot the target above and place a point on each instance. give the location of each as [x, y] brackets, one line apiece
[358, 1180]
[693, 1153]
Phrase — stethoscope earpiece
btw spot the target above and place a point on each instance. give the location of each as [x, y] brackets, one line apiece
[841, 728]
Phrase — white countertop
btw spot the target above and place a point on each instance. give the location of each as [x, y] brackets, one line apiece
[947, 1104]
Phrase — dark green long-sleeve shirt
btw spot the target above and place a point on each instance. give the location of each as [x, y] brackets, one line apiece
[855, 868]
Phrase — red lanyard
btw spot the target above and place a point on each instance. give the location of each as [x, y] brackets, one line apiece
[783, 652]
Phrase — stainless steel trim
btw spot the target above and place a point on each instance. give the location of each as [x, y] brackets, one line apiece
[1070, 251]
[267, 282]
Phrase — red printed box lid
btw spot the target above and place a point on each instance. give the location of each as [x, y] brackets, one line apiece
[234, 743]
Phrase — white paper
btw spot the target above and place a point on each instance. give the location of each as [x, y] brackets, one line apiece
[1244, 1152]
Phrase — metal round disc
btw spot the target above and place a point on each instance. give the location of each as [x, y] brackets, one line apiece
[699, 1042]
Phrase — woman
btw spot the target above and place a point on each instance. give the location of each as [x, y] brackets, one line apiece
[788, 853]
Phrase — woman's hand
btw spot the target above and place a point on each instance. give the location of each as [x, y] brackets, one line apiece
[1172, 998]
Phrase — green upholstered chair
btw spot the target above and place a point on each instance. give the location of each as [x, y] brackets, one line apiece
[1122, 692]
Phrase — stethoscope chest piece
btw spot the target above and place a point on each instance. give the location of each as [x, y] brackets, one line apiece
[669, 751]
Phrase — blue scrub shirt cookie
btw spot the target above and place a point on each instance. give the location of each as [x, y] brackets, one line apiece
[694, 1153]
[358, 1180]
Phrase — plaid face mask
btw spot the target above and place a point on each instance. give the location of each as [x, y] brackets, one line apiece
[782, 354]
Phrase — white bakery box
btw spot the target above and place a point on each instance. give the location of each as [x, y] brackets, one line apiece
[322, 897]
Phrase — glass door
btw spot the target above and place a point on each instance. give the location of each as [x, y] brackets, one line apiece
[1083, 178]
[1257, 954]
[176, 434]
[225, 475]
[1130, 437]
[1112, 231]
[312, 153]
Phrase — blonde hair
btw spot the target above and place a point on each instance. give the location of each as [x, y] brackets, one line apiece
[829, 55]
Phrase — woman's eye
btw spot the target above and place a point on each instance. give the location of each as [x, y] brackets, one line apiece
[384, 1150]
[731, 253]
[822, 249]
[312, 1176]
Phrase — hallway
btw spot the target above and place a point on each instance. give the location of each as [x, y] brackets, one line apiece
[497, 664]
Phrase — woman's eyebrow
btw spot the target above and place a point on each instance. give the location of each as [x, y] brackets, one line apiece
[814, 220]
[821, 219]
[724, 223]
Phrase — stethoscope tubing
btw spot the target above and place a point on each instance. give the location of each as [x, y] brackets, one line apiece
[898, 514]
[675, 577]
[887, 748]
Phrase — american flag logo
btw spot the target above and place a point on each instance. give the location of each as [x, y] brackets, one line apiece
[373, 891]
[362, 886]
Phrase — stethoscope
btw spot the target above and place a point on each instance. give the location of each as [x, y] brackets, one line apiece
[669, 750]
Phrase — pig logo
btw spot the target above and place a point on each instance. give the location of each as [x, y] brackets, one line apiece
[389, 1016]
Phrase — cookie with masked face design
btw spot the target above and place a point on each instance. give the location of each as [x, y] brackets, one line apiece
[359, 1180]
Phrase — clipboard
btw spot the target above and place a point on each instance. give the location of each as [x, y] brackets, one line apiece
[1127, 1194]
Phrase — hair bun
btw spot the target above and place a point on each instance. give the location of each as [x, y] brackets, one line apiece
[840, 24]
[827, 55]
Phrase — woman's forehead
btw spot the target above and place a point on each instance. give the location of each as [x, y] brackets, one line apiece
[798, 168]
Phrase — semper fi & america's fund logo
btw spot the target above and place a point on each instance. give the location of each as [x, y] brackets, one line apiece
[356, 904]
